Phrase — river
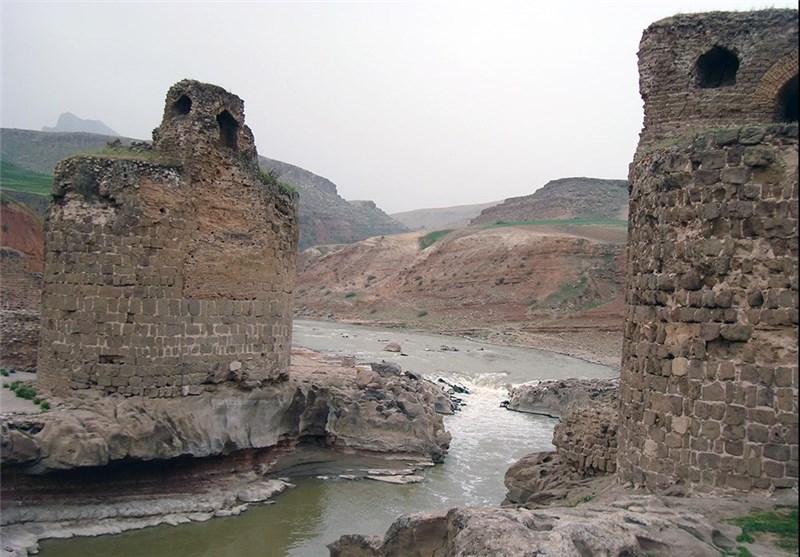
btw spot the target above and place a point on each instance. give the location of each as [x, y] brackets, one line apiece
[486, 440]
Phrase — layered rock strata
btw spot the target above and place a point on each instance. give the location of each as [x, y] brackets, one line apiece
[330, 402]
[330, 416]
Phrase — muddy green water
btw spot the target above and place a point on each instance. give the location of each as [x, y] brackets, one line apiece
[486, 440]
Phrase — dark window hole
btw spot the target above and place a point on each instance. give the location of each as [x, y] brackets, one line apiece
[787, 102]
[183, 105]
[228, 130]
[717, 68]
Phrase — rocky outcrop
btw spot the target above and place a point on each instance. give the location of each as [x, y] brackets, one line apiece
[324, 216]
[68, 122]
[585, 440]
[157, 460]
[342, 406]
[563, 199]
[556, 398]
[631, 527]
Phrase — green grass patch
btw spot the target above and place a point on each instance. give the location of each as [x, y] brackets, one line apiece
[431, 238]
[589, 221]
[23, 390]
[350, 295]
[15, 178]
[781, 522]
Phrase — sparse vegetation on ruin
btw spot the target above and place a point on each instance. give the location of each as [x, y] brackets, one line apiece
[272, 178]
[782, 523]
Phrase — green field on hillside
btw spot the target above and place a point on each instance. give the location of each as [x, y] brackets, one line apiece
[15, 178]
[590, 221]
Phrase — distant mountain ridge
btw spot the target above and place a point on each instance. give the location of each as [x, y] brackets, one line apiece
[564, 199]
[441, 217]
[324, 217]
[68, 122]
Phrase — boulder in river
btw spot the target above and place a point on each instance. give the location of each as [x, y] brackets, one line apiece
[392, 347]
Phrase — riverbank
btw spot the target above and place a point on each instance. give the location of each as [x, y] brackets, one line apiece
[98, 465]
[472, 473]
[593, 345]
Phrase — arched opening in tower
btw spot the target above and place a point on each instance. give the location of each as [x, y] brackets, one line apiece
[716, 68]
[786, 110]
[228, 130]
[182, 106]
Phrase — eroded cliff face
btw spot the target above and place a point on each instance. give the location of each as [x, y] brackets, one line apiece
[21, 254]
[467, 279]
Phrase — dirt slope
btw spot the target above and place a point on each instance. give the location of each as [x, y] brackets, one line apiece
[441, 217]
[522, 281]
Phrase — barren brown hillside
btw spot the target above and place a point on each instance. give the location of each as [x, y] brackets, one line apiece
[544, 286]
[21, 230]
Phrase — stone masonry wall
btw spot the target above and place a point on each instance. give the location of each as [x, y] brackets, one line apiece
[169, 271]
[587, 436]
[709, 377]
[709, 381]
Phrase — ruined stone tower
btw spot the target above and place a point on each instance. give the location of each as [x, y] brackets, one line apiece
[169, 270]
[709, 372]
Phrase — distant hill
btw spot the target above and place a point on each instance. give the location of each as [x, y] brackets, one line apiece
[68, 122]
[564, 199]
[40, 151]
[441, 217]
[325, 218]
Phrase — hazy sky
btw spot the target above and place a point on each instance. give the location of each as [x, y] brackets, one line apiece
[410, 104]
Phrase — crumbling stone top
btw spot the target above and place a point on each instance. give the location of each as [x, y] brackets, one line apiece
[203, 120]
[718, 68]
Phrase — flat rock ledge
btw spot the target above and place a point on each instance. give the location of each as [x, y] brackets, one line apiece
[641, 526]
[23, 527]
[556, 398]
[328, 399]
[329, 413]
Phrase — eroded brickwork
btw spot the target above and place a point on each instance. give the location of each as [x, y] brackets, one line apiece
[709, 377]
[587, 436]
[171, 270]
[714, 69]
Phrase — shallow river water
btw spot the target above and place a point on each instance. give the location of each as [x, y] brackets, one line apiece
[486, 440]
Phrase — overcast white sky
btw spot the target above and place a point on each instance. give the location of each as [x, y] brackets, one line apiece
[410, 104]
